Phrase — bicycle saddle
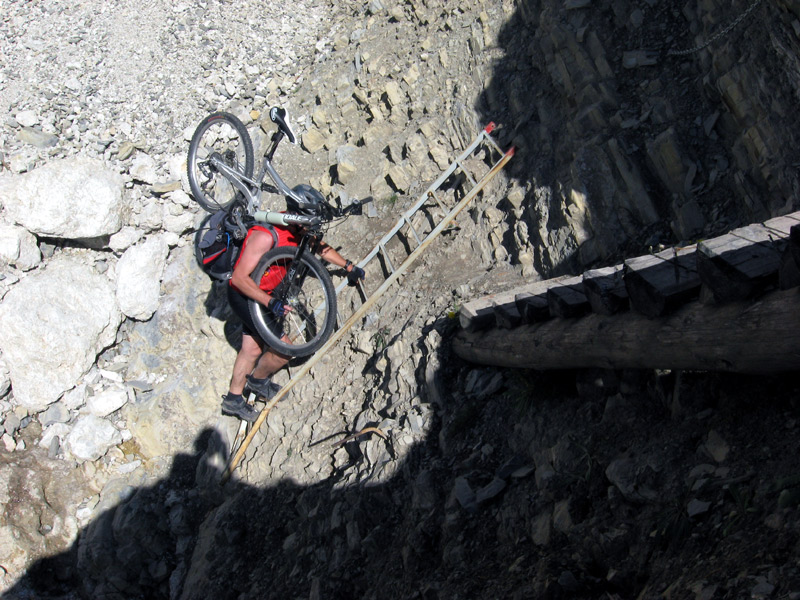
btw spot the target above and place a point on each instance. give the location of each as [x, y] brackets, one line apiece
[278, 116]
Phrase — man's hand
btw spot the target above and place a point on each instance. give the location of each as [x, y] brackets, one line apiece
[278, 308]
[354, 274]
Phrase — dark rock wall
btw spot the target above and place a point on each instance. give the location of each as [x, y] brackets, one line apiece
[618, 138]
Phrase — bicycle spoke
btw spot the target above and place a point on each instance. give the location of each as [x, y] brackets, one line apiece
[219, 139]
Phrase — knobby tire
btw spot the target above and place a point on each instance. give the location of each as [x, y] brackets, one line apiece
[312, 297]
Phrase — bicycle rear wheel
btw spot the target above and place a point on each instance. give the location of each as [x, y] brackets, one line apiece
[222, 135]
[310, 294]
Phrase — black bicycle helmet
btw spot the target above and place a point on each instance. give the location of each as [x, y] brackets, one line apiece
[310, 202]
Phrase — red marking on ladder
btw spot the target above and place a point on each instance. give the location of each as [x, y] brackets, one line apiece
[490, 127]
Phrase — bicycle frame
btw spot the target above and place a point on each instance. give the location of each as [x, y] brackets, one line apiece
[251, 188]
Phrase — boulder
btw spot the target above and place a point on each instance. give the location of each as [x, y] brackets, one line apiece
[55, 322]
[73, 198]
[139, 274]
[18, 247]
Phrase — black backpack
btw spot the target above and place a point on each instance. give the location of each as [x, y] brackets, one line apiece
[217, 245]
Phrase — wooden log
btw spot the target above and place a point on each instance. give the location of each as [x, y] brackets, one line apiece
[567, 300]
[742, 263]
[659, 283]
[742, 336]
[605, 289]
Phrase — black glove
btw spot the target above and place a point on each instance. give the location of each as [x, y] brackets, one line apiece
[354, 274]
[276, 307]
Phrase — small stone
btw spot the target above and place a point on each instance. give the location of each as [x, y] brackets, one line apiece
[493, 489]
[8, 442]
[27, 118]
[464, 494]
[55, 413]
[165, 187]
[125, 150]
[716, 447]
[400, 178]
[312, 140]
[393, 94]
[697, 507]
[34, 137]
[762, 590]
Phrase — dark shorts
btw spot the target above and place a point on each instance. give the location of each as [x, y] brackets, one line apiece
[241, 306]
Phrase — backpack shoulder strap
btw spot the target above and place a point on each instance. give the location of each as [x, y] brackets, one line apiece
[269, 229]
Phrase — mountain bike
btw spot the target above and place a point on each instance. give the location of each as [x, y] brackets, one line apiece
[220, 169]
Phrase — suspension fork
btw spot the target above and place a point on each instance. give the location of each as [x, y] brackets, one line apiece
[294, 275]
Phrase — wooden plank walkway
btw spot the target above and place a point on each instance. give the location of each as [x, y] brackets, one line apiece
[740, 267]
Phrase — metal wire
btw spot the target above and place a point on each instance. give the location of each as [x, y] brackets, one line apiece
[718, 35]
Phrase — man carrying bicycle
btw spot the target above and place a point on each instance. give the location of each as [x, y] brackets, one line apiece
[256, 362]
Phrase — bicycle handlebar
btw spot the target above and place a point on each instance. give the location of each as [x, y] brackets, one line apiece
[286, 219]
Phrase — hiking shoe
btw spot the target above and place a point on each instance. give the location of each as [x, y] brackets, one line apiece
[239, 408]
[264, 388]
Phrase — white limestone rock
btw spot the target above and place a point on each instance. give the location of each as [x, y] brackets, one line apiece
[139, 273]
[107, 401]
[73, 198]
[55, 322]
[19, 247]
[91, 438]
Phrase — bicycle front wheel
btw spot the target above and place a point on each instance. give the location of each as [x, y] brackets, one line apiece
[309, 293]
[224, 137]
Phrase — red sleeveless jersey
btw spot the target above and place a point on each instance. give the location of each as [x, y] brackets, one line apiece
[272, 276]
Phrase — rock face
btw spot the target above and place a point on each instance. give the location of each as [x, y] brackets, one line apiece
[116, 349]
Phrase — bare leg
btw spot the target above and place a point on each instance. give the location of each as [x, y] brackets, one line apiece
[244, 363]
[269, 363]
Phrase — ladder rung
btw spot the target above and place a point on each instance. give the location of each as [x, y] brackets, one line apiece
[386, 258]
[466, 173]
[413, 231]
[433, 194]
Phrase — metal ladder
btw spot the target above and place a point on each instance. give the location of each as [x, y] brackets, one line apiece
[430, 197]
[496, 160]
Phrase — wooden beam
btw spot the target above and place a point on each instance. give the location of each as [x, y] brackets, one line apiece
[480, 313]
[566, 299]
[745, 336]
[659, 283]
[605, 289]
[742, 263]
[532, 306]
